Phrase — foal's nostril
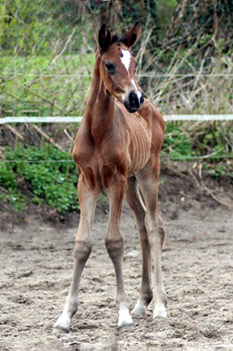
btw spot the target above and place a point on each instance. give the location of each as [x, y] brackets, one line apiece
[133, 99]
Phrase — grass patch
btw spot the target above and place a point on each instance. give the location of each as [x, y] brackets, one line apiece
[45, 86]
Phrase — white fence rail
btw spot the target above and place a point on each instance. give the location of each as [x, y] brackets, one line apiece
[78, 119]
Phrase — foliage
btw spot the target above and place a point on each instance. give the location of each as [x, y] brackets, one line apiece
[15, 198]
[8, 178]
[52, 75]
[176, 143]
[47, 56]
[41, 27]
[36, 84]
[210, 140]
[44, 28]
[19, 26]
[49, 174]
[205, 25]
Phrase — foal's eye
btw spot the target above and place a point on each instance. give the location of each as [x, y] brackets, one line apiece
[110, 67]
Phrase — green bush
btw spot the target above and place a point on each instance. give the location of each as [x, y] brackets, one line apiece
[7, 177]
[176, 144]
[210, 140]
[49, 173]
[38, 27]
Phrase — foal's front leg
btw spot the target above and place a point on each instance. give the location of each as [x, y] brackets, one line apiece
[82, 250]
[149, 186]
[136, 203]
[115, 247]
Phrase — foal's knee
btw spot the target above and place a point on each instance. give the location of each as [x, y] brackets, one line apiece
[114, 247]
[156, 233]
[82, 250]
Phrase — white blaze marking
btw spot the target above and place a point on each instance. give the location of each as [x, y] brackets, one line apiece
[134, 84]
[126, 58]
[137, 91]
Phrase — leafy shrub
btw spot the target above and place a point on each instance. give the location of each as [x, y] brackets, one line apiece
[17, 200]
[49, 173]
[210, 140]
[176, 143]
[7, 177]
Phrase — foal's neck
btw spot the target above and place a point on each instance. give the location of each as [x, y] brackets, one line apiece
[100, 105]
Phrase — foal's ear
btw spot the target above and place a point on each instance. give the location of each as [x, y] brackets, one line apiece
[104, 38]
[131, 36]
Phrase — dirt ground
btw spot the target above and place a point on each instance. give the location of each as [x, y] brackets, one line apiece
[36, 259]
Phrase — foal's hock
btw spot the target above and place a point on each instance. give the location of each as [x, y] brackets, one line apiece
[117, 150]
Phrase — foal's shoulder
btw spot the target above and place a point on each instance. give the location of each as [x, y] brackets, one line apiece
[152, 114]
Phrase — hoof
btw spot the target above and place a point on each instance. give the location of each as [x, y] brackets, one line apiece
[124, 318]
[139, 310]
[63, 324]
[160, 311]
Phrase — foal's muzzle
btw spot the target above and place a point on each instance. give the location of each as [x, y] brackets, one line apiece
[134, 101]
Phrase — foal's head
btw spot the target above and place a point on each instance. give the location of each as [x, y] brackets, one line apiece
[117, 67]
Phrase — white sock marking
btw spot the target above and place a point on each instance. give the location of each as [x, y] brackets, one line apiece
[159, 311]
[126, 58]
[124, 317]
[63, 322]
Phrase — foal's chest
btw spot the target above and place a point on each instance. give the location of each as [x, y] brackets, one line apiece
[115, 155]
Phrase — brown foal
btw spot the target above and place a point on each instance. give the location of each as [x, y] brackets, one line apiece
[117, 150]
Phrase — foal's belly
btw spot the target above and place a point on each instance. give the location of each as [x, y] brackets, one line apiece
[139, 154]
[140, 145]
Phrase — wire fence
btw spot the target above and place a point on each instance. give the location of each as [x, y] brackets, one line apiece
[162, 157]
[78, 119]
[72, 119]
[140, 75]
[63, 89]
[58, 93]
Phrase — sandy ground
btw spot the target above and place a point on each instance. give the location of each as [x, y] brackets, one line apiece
[36, 264]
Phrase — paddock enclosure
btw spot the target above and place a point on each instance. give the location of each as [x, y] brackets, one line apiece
[185, 67]
[36, 259]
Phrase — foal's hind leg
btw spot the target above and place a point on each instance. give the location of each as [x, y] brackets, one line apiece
[82, 250]
[115, 247]
[135, 202]
[149, 185]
